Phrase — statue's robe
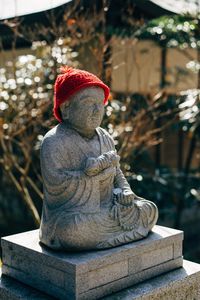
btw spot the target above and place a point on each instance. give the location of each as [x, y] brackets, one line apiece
[78, 209]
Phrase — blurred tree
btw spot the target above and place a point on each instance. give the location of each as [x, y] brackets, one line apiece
[26, 87]
[181, 32]
[26, 91]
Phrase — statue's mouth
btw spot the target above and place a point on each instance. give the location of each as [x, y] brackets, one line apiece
[95, 119]
[96, 116]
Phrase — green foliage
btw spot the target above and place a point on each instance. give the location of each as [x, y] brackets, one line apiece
[172, 31]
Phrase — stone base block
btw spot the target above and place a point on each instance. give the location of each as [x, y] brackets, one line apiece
[91, 274]
[180, 284]
[11, 289]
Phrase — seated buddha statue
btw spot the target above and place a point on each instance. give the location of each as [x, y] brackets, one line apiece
[88, 203]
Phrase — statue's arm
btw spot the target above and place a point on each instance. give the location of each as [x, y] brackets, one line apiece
[123, 193]
[120, 180]
[53, 171]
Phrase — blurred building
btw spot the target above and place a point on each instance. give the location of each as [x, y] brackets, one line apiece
[136, 65]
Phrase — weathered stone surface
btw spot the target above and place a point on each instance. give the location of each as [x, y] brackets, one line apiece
[88, 203]
[128, 281]
[11, 289]
[150, 259]
[90, 274]
[180, 284]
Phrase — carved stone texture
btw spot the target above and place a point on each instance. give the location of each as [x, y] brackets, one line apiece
[88, 203]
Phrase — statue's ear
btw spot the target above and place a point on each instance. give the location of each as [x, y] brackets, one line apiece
[64, 109]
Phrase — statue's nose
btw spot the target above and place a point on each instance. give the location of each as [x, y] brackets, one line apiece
[96, 108]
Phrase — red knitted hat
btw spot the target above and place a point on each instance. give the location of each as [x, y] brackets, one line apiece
[69, 82]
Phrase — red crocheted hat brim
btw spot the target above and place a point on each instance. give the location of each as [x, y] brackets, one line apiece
[57, 103]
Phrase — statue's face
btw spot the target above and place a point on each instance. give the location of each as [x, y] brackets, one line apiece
[85, 109]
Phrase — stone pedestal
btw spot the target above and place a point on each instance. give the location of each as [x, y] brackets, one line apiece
[179, 284]
[96, 274]
[91, 274]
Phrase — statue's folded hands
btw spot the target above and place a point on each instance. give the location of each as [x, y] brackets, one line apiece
[125, 197]
[95, 166]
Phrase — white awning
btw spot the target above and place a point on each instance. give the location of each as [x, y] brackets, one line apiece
[179, 6]
[16, 8]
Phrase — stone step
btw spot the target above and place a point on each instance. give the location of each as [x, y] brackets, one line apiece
[91, 274]
[179, 284]
[12, 289]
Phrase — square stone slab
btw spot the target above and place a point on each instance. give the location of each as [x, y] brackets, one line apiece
[179, 284]
[91, 274]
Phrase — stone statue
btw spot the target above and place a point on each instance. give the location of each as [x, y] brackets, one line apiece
[88, 203]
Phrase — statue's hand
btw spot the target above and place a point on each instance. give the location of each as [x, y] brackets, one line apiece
[124, 197]
[94, 166]
[113, 158]
[91, 167]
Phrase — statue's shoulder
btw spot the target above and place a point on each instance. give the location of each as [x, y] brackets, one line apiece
[106, 138]
[105, 133]
[55, 136]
